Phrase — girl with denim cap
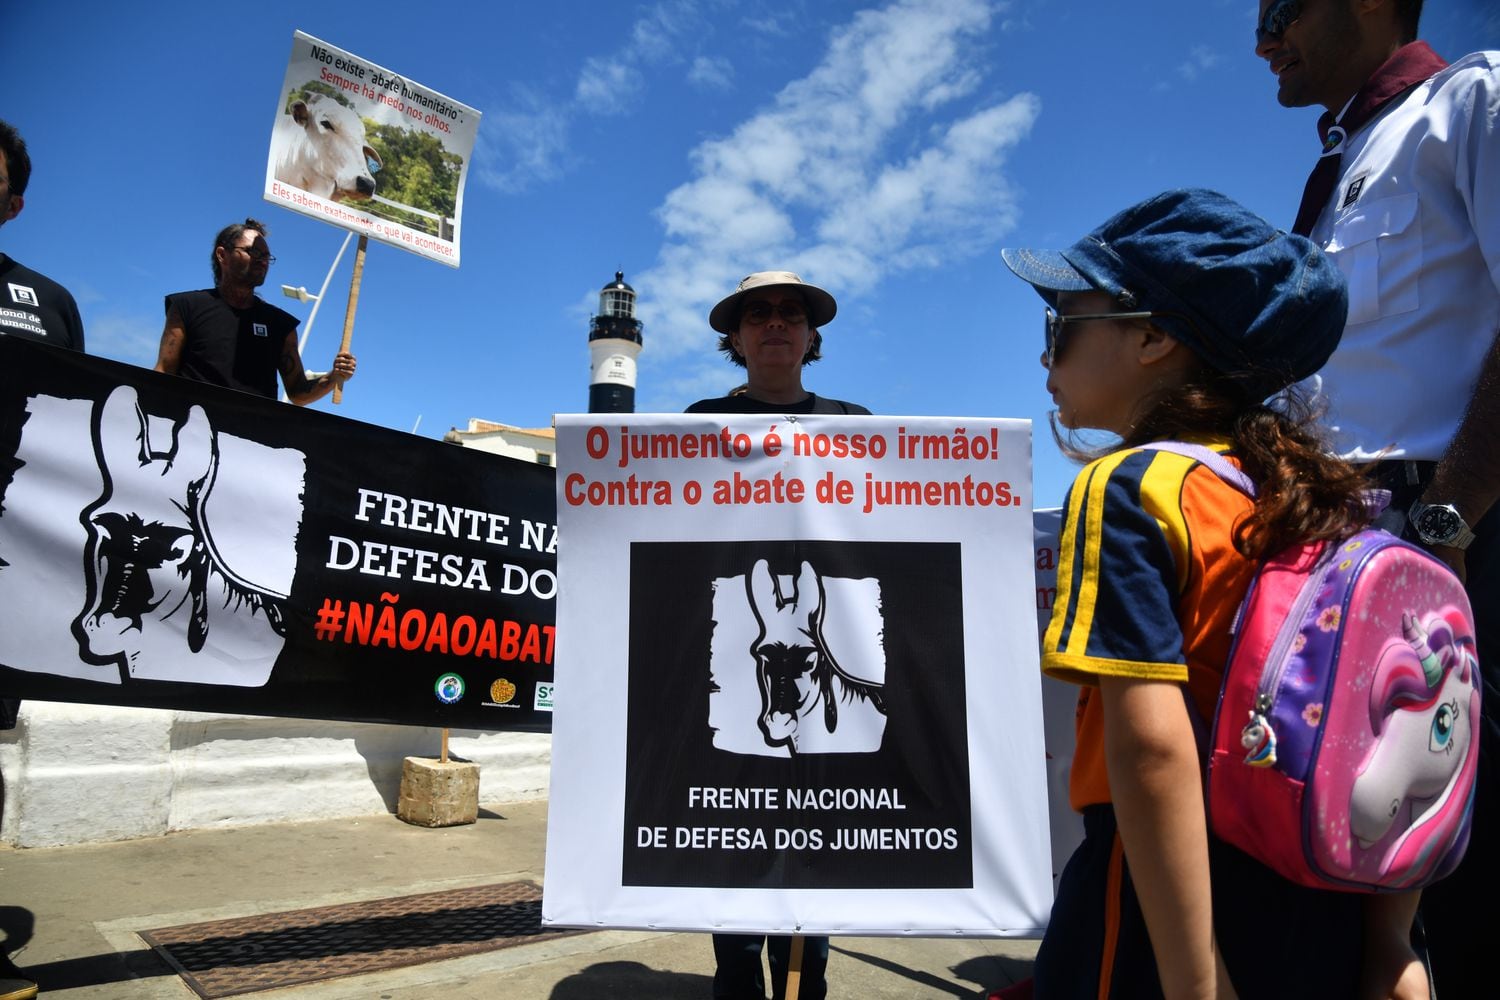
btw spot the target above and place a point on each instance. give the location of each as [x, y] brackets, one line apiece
[1175, 320]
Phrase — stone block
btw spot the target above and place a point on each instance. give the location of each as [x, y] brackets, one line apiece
[435, 793]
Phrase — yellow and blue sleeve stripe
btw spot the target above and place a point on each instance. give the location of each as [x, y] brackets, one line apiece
[1123, 563]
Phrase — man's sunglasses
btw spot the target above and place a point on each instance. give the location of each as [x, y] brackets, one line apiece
[1278, 17]
[758, 313]
[1055, 327]
[256, 255]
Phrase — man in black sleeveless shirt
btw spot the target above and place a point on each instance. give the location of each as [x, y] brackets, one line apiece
[229, 336]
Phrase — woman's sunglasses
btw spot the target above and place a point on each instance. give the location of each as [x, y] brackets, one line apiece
[758, 313]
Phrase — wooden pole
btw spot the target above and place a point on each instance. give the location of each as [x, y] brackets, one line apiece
[444, 757]
[794, 968]
[359, 272]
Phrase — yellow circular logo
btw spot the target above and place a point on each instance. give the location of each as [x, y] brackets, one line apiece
[502, 691]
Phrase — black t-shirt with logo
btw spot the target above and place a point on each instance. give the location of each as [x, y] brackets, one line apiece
[236, 348]
[34, 306]
[745, 404]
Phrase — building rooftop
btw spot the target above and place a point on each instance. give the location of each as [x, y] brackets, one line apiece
[477, 426]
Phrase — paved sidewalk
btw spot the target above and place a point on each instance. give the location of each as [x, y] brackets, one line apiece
[71, 916]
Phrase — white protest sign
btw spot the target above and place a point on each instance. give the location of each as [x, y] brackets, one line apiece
[796, 677]
[1059, 702]
[362, 148]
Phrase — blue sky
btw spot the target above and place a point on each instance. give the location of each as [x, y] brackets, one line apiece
[884, 151]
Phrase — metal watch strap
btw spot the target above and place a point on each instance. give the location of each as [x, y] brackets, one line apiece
[1460, 540]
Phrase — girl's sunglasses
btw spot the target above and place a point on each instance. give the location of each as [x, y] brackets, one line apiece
[1055, 327]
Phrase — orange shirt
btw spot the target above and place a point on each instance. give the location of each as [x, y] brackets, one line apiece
[1148, 584]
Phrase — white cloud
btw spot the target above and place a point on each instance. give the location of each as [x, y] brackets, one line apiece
[701, 378]
[772, 24]
[607, 86]
[865, 167]
[520, 148]
[657, 33]
[1200, 58]
[714, 73]
[522, 144]
[134, 339]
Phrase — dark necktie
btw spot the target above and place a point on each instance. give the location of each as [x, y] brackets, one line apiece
[1408, 66]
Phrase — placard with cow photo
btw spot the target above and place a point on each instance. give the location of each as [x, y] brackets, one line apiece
[363, 148]
[798, 662]
[170, 544]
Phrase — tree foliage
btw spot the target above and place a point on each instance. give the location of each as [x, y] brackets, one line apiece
[415, 170]
[314, 87]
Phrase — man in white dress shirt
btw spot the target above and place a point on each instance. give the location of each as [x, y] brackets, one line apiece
[1406, 199]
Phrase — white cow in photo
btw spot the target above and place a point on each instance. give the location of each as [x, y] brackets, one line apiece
[320, 147]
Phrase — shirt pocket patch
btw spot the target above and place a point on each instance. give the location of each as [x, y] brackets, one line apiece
[1378, 246]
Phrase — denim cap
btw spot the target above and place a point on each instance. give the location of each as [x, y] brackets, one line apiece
[1262, 306]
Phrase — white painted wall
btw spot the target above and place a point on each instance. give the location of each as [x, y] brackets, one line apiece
[538, 445]
[77, 774]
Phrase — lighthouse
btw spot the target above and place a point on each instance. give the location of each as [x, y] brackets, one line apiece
[614, 342]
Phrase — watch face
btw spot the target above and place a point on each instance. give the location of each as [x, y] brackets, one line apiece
[1438, 524]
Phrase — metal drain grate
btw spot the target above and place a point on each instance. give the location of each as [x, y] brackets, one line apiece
[225, 958]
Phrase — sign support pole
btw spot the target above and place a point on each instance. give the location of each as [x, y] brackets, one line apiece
[794, 968]
[359, 273]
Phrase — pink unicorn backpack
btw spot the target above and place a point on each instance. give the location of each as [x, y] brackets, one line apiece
[1344, 748]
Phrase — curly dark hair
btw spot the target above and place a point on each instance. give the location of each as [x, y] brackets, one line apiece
[228, 236]
[17, 160]
[1305, 493]
[726, 341]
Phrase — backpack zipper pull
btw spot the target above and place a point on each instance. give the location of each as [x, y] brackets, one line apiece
[1259, 736]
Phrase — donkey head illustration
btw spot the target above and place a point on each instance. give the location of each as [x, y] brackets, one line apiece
[156, 587]
[801, 684]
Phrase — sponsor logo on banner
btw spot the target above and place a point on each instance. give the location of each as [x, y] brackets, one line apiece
[449, 688]
[542, 700]
[502, 694]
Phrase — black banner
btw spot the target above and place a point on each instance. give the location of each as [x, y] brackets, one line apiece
[168, 544]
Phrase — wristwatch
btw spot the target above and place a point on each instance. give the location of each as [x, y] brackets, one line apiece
[1440, 524]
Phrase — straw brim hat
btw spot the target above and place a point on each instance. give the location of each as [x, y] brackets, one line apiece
[821, 308]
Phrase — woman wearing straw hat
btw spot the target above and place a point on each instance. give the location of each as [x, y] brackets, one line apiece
[769, 326]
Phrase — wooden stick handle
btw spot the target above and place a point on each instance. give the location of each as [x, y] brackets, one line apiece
[794, 968]
[359, 273]
[444, 757]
